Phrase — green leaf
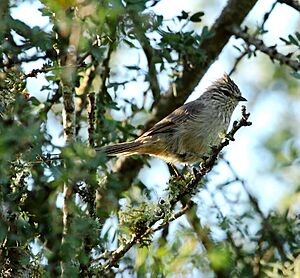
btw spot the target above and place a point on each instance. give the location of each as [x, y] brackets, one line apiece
[285, 41]
[205, 33]
[293, 40]
[236, 47]
[98, 52]
[184, 15]
[133, 67]
[129, 43]
[197, 17]
[135, 5]
[34, 101]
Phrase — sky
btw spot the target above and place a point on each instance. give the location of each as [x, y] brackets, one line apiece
[245, 153]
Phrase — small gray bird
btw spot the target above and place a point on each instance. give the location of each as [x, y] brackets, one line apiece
[187, 134]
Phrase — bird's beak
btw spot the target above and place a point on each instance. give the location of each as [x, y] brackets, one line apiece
[241, 99]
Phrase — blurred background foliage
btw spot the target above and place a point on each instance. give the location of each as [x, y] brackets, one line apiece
[124, 62]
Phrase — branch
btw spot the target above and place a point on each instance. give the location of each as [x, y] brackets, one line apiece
[292, 3]
[176, 215]
[101, 94]
[68, 58]
[270, 51]
[188, 189]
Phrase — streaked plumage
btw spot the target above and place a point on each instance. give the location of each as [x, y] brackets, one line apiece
[187, 134]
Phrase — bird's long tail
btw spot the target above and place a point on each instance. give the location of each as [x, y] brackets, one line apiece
[126, 148]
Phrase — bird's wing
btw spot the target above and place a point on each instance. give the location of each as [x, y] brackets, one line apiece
[177, 117]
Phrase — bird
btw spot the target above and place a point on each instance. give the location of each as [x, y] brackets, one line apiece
[187, 134]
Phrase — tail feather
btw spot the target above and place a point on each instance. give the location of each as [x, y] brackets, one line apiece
[125, 148]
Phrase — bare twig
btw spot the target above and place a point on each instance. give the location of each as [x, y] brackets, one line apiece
[270, 51]
[237, 61]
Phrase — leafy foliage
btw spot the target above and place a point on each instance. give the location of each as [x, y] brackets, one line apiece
[108, 207]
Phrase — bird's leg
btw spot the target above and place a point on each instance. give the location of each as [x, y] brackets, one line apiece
[195, 171]
[173, 170]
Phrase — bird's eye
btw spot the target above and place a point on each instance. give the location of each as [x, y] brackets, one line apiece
[225, 92]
